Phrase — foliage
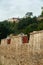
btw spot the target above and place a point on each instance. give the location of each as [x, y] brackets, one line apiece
[28, 14]
[25, 25]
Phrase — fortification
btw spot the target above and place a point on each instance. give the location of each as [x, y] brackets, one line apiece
[18, 53]
[36, 41]
[14, 40]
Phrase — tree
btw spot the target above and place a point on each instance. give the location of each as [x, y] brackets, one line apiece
[42, 12]
[28, 14]
[40, 25]
[4, 29]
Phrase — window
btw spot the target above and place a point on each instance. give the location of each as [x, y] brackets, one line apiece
[25, 39]
[8, 41]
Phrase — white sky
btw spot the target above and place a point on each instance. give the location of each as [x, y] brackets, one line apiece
[18, 8]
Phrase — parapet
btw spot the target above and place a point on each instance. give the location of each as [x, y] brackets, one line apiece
[36, 32]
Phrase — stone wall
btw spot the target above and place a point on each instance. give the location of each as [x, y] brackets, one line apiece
[15, 40]
[36, 41]
[23, 54]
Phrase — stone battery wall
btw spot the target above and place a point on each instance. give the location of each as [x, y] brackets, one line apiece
[14, 40]
[23, 54]
[36, 41]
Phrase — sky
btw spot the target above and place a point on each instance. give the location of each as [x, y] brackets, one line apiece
[18, 8]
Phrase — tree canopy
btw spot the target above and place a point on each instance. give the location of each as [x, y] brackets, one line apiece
[25, 25]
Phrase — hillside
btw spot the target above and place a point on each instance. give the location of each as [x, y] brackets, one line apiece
[25, 25]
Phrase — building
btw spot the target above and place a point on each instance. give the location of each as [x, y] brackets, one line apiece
[39, 18]
[16, 20]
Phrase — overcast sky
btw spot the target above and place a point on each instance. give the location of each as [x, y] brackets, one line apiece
[18, 8]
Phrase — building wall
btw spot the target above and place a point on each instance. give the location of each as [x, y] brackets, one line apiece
[16, 20]
[40, 18]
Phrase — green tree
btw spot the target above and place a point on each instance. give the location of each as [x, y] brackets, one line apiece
[28, 14]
